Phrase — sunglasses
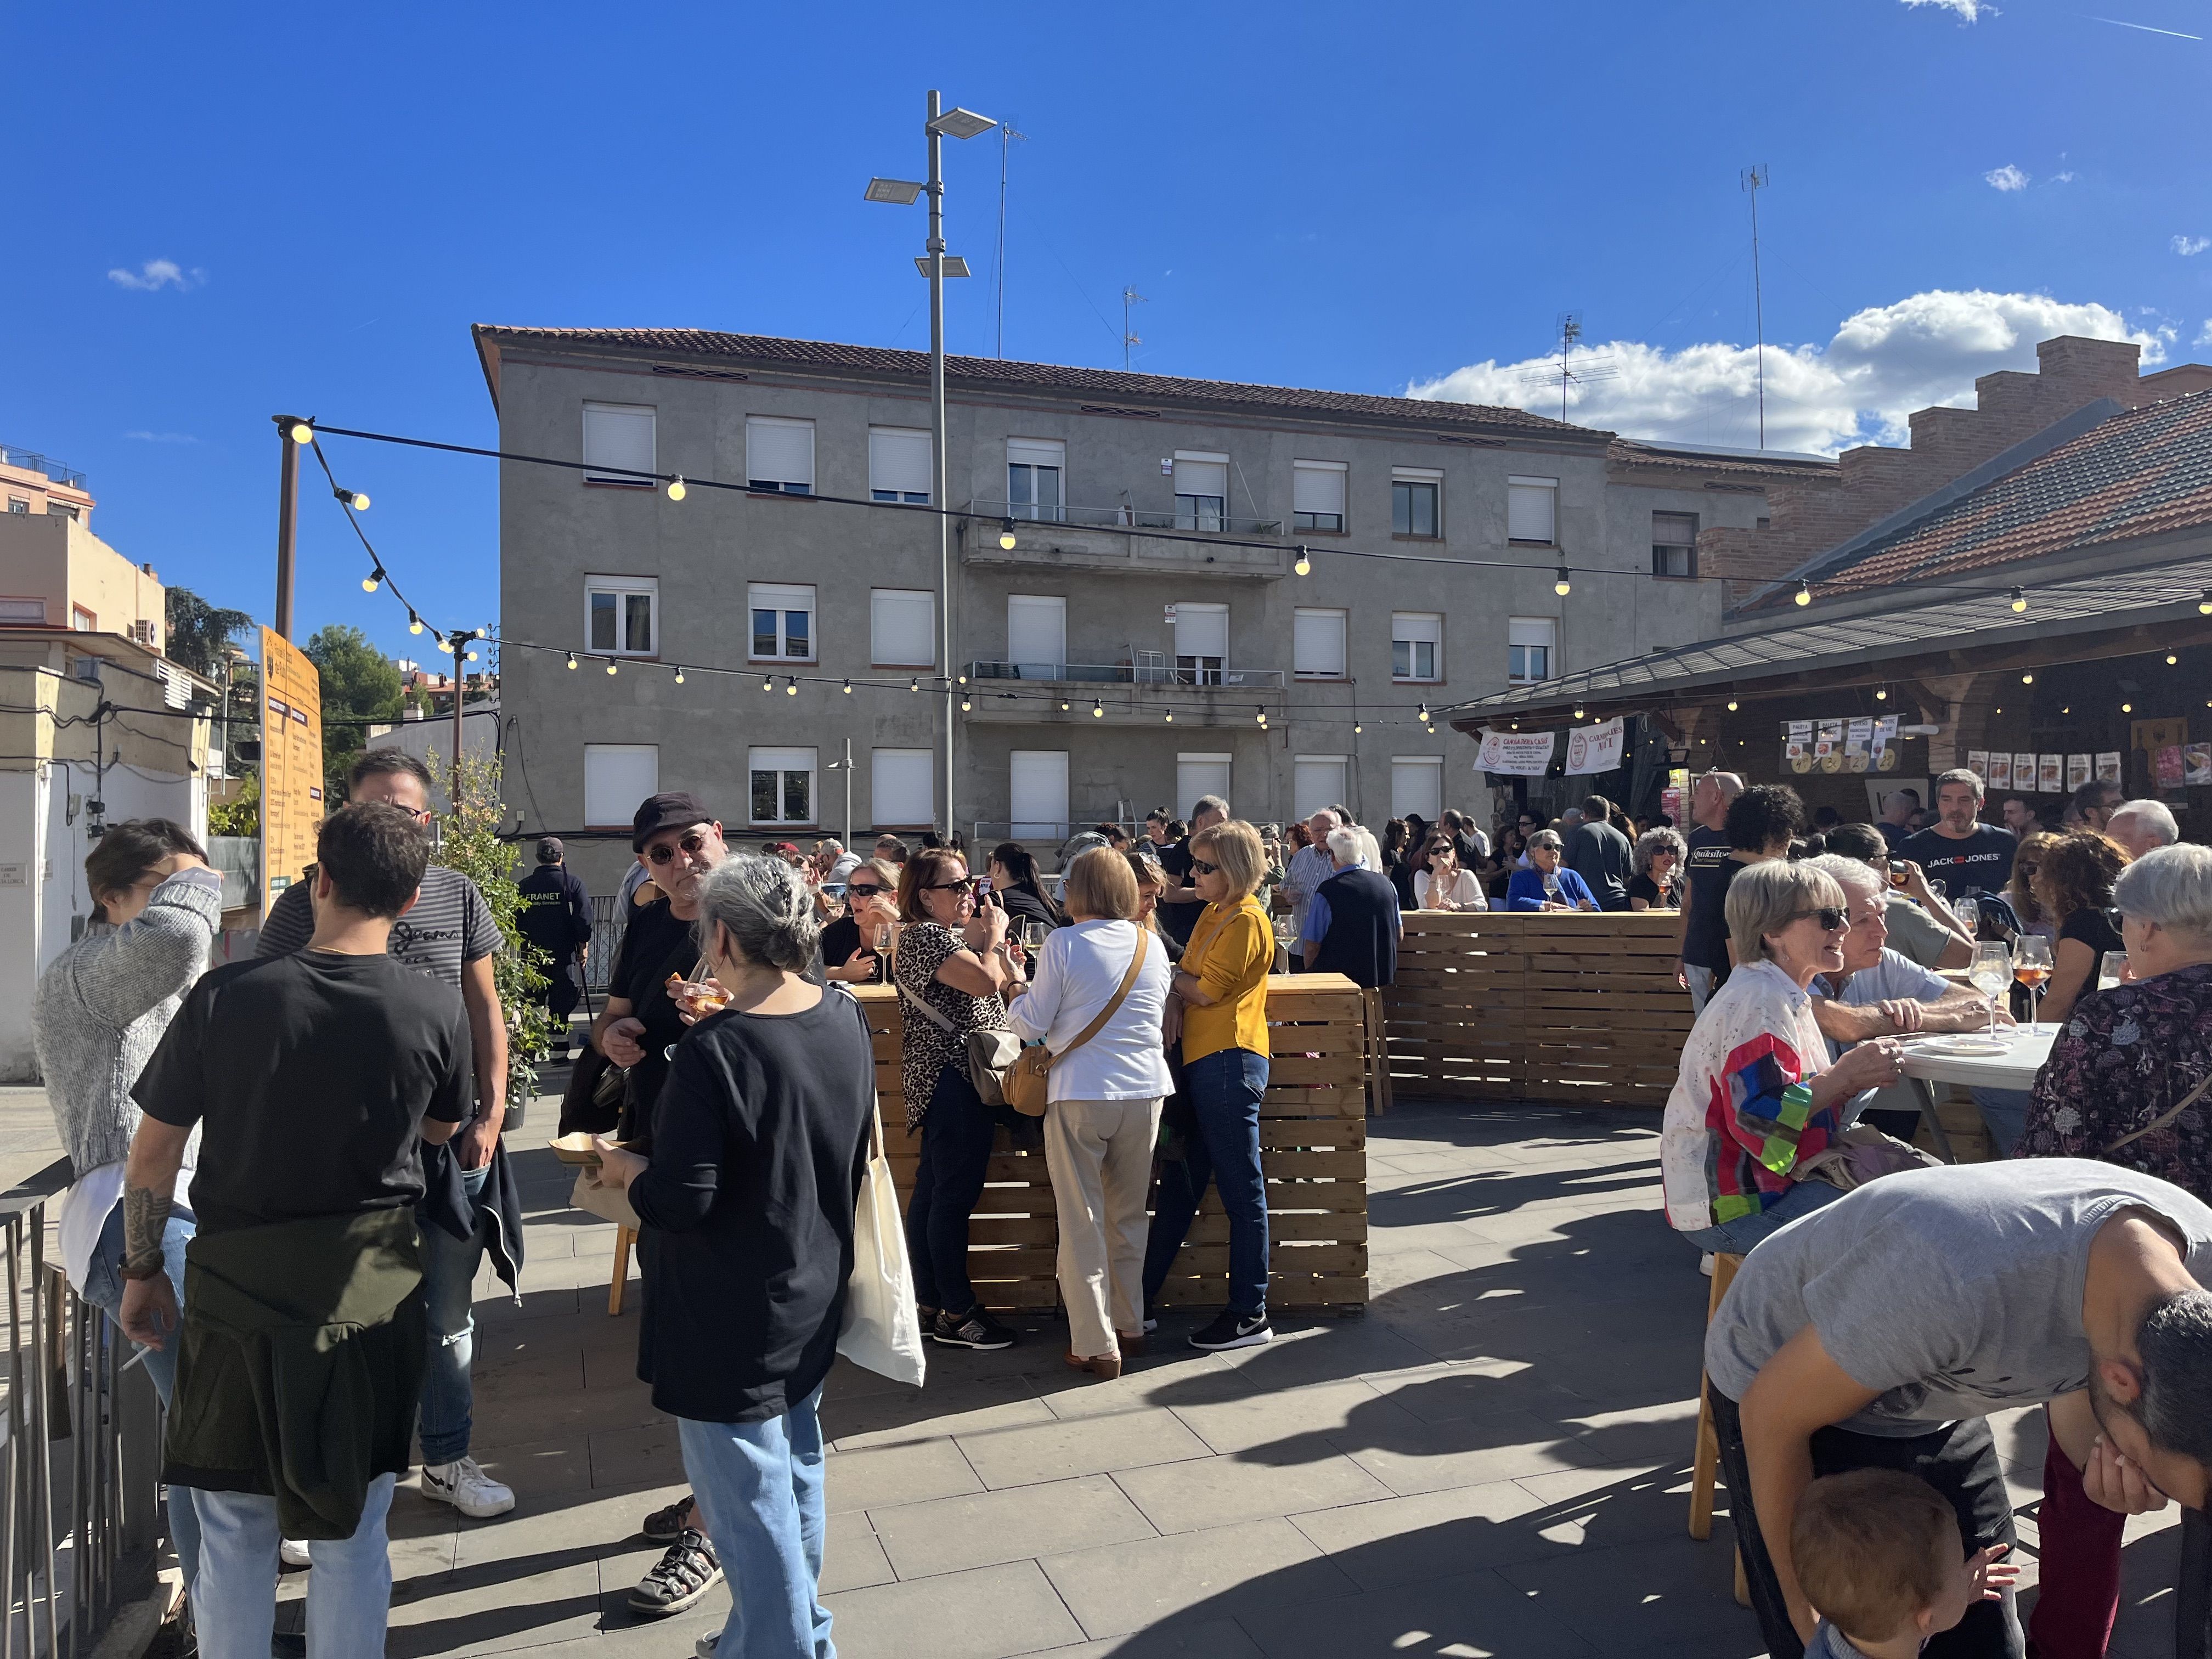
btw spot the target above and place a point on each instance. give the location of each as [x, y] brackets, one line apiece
[965, 884]
[1831, 920]
[1200, 866]
[693, 845]
[856, 890]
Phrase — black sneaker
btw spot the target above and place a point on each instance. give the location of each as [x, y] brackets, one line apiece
[973, 1329]
[1235, 1330]
[686, 1573]
[666, 1526]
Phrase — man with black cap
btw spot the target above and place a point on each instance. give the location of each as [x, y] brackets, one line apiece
[557, 918]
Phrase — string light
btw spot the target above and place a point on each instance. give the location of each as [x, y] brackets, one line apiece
[611, 665]
[1304, 566]
[1263, 716]
[2127, 709]
[2171, 660]
[2204, 604]
[483, 632]
[1578, 714]
[1357, 728]
[301, 433]
[1804, 593]
[914, 684]
[1563, 584]
[791, 686]
[1064, 705]
[2019, 600]
[444, 644]
[413, 624]
[848, 688]
[1006, 533]
[964, 702]
[374, 581]
[571, 660]
[1881, 694]
[1170, 717]
[1098, 709]
[352, 498]
[679, 673]
[767, 684]
[676, 491]
[2027, 679]
[1731, 705]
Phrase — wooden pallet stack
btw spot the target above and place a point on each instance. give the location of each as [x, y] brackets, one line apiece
[1313, 1153]
[1542, 1005]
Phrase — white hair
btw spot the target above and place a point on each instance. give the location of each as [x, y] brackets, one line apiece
[1850, 874]
[2171, 886]
[767, 908]
[1354, 848]
[2154, 815]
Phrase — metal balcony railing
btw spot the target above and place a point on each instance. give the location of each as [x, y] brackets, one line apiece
[1209, 676]
[1126, 517]
[31, 461]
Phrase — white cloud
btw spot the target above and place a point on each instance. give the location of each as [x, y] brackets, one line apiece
[161, 437]
[1882, 363]
[1971, 11]
[2066, 178]
[2187, 246]
[156, 274]
[2203, 334]
[2006, 178]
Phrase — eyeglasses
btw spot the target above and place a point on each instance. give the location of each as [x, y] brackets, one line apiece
[2025, 867]
[965, 884]
[1200, 866]
[1831, 920]
[693, 845]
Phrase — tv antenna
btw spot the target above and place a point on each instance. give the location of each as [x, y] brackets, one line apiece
[1754, 180]
[1129, 297]
[1007, 136]
[1571, 372]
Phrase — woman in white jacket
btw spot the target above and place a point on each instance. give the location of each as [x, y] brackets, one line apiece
[1105, 1095]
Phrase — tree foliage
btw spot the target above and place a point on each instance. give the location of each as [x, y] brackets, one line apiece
[198, 633]
[241, 814]
[359, 683]
[469, 841]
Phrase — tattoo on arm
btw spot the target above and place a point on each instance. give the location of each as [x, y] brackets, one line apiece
[145, 1219]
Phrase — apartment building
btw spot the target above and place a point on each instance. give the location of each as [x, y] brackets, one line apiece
[1127, 596]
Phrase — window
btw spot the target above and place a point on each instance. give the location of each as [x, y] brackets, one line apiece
[783, 622]
[1531, 511]
[1417, 645]
[899, 464]
[1673, 543]
[1415, 494]
[19, 504]
[1201, 643]
[618, 436]
[1037, 634]
[24, 610]
[82, 620]
[1199, 774]
[622, 616]
[779, 455]
[1201, 485]
[903, 627]
[1317, 495]
[1037, 788]
[1533, 645]
[1317, 645]
[901, 788]
[1417, 785]
[1317, 780]
[61, 510]
[782, 785]
[617, 778]
[1034, 469]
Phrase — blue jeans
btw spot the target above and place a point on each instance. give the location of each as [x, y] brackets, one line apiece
[449, 1273]
[2005, 1112]
[956, 1148]
[348, 1589]
[1737, 1237]
[103, 1288]
[1224, 1090]
[760, 1489]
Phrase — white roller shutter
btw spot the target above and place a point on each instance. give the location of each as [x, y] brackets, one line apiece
[1531, 630]
[898, 461]
[1199, 774]
[618, 777]
[1035, 451]
[1317, 487]
[1316, 781]
[618, 435]
[1036, 786]
[1416, 785]
[902, 787]
[1202, 630]
[903, 627]
[779, 452]
[1201, 477]
[1318, 644]
[1036, 632]
[1530, 509]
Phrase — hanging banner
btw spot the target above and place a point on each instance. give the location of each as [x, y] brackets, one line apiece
[1595, 748]
[1517, 754]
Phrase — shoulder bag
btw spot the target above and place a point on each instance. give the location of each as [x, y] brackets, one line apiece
[989, 1052]
[881, 1328]
[1027, 1081]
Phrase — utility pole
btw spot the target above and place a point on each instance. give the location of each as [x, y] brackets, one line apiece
[1754, 180]
[846, 766]
[288, 519]
[1129, 297]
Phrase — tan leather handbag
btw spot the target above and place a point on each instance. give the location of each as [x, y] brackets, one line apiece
[1027, 1079]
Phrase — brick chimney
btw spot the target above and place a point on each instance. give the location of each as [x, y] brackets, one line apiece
[1809, 518]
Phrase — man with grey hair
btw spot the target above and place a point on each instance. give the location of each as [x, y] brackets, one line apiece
[2140, 825]
[833, 862]
[1180, 901]
[1958, 849]
[1311, 866]
[1895, 822]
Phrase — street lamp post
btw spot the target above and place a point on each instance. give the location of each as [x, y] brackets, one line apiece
[936, 265]
[846, 766]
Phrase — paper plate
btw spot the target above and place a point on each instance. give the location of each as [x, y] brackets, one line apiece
[575, 1149]
[1964, 1048]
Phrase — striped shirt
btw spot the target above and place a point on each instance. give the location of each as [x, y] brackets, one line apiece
[448, 926]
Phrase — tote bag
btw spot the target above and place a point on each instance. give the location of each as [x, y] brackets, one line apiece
[881, 1329]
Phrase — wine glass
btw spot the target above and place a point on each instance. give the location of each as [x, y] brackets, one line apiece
[1990, 974]
[2112, 971]
[881, 941]
[1969, 911]
[2030, 966]
[1551, 885]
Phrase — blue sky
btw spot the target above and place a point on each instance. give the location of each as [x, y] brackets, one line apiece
[1367, 199]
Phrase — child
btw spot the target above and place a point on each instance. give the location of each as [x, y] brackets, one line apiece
[1878, 1553]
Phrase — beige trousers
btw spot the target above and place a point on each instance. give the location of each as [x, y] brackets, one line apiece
[1100, 1156]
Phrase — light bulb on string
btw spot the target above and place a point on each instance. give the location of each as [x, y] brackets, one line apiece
[300, 432]
[1006, 534]
[472, 656]
[571, 659]
[1063, 705]
[2027, 679]
[1357, 728]
[353, 498]
[1731, 705]
[2171, 660]
[610, 665]
[767, 684]
[1304, 566]
[679, 673]
[444, 644]
[2127, 709]
[1578, 714]
[676, 491]
[374, 581]
[1881, 694]
[964, 679]
[2204, 604]
[1170, 717]
[791, 686]
[1804, 595]
[413, 624]
[1262, 716]
[914, 684]
[2019, 600]
[1098, 709]
[1563, 584]
[964, 702]
[848, 688]
[483, 632]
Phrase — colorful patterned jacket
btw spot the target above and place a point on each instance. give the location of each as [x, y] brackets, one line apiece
[1741, 1117]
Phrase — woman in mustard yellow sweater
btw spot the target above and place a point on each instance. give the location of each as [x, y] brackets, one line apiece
[1220, 1003]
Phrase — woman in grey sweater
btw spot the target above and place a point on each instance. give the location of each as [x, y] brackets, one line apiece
[100, 1010]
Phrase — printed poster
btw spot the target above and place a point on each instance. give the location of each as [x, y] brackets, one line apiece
[2170, 768]
[1796, 746]
[1858, 739]
[2023, 773]
[2050, 774]
[1595, 748]
[1827, 746]
[2195, 764]
[291, 764]
[1999, 776]
[2078, 771]
[1517, 754]
[1978, 762]
[2108, 767]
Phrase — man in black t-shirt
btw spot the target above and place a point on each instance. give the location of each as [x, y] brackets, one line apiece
[1960, 851]
[313, 1078]
[1708, 845]
[557, 918]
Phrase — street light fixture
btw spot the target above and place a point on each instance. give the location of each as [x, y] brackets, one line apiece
[936, 266]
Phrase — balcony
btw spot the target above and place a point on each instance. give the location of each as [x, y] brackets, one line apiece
[32, 461]
[1138, 692]
[1114, 539]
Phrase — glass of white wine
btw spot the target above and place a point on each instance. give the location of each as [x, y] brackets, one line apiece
[1990, 974]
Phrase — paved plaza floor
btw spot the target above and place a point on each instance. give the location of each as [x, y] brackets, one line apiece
[1492, 1460]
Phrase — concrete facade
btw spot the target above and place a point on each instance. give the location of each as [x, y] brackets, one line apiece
[1121, 436]
[55, 573]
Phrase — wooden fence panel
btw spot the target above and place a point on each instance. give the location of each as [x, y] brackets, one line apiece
[1313, 1156]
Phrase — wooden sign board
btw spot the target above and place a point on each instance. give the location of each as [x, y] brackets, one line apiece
[291, 764]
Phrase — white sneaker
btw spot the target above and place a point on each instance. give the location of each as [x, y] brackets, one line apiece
[292, 1553]
[1705, 1264]
[704, 1647]
[464, 1485]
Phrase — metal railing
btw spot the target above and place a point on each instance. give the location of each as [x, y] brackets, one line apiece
[1126, 517]
[1164, 673]
[31, 461]
[80, 1473]
[608, 925]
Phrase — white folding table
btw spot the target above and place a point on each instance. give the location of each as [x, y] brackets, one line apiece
[2027, 1047]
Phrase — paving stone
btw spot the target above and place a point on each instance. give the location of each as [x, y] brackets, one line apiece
[1434, 1456]
[1287, 1420]
[1231, 1571]
[627, 1457]
[988, 1613]
[1473, 1615]
[907, 1474]
[951, 1535]
[1409, 1541]
[904, 1414]
[1220, 1492]
[852, 1556]
[1214, 1638]
[1093, 1445]
[1636, 1596]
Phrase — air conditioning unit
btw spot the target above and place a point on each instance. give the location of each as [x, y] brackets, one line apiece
[141, 631]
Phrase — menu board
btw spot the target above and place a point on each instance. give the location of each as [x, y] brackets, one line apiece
[291, 764]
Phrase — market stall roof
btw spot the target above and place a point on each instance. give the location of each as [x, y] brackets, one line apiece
[2092, 615]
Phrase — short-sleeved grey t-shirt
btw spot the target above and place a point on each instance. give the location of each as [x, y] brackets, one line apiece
[448, 926]
[1956, 1292]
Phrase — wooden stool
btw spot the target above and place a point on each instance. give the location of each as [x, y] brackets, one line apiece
[625, 1237]
[1705, 1466]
